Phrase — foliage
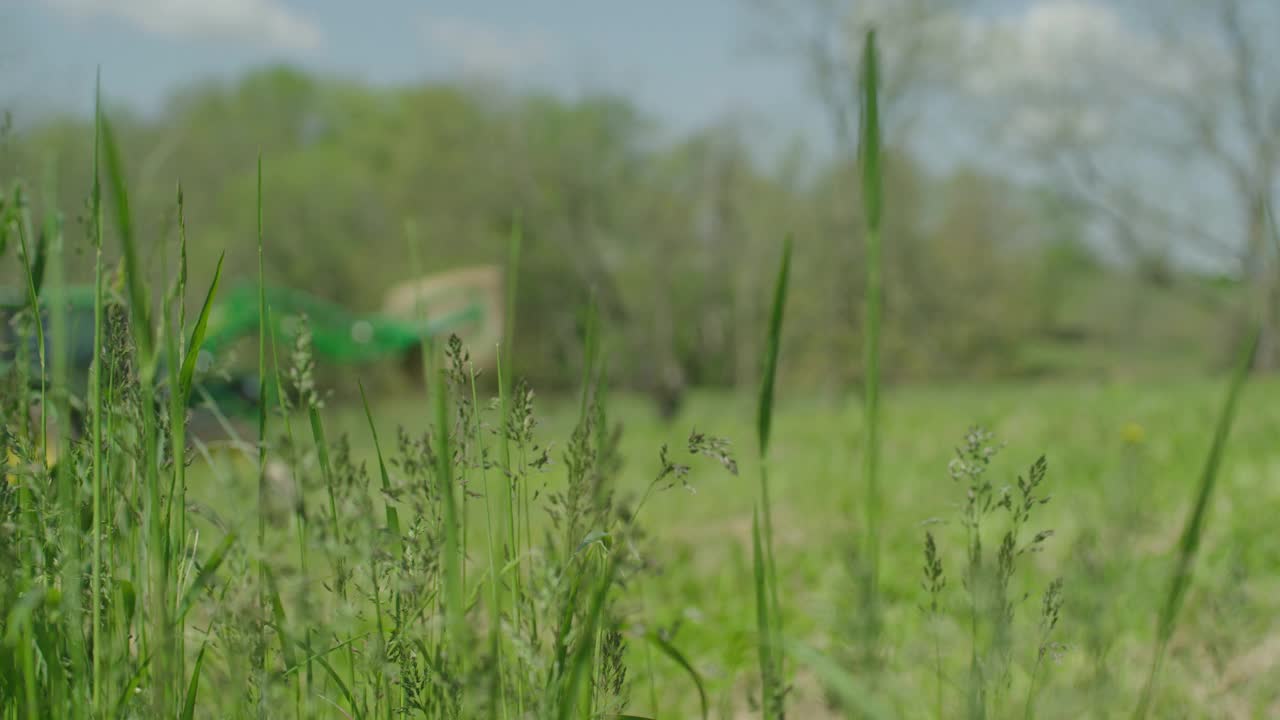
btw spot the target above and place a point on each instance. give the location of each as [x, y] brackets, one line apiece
[673, 236]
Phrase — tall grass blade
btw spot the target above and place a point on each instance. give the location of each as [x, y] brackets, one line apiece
[872, 206]
[134, 276]
[131, 687]
[323, 653]
[1193, 529]
[869, 140]
[453, 590]
[179, 398]
[509, 507]
[498, 697]
[678, 658]
[197, 334]
[560, 645]
[513, 278]
[157, 546]
[33, 301]
[764, 420]
[68, 481]
[590, 355]
[279, 620]
[511, 524]
[764, 630]
[96, 410]
[182, 266]
[342, 686]
[581, 660]
[773, 344]
[206, 573]
[193, 687]
[393, 518]
[260, 659]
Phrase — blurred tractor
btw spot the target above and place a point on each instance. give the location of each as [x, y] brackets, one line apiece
[469, 301]
[466, 302]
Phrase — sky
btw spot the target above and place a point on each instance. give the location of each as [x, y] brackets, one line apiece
[689, 63]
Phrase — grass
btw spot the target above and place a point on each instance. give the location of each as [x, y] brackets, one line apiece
[873, 210]
[1118, 510]
[340, 593]
[1193, 530]
[1112, 492]
[769, 628]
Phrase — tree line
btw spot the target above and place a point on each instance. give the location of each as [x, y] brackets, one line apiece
[674, 238]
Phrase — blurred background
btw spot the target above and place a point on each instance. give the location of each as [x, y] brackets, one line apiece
[1074, 189]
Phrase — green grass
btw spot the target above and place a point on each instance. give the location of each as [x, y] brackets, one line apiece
[1193, 530]
[1118, 512]
[873, 211]
[769, 628]
[1121, 496]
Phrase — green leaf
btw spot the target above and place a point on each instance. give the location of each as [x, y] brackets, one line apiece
[138, 303]
[870, 136]
[872, 207]
[127, 692]
[586, 642]
[337, 680]
[773, 343]
[189, 705]
[454, 593]
[197, 335]
[513, 275]
[393, 518]
[764, 631]
[1193, 530]
[311, 658]
[670, 651]
[278, 619]
[207, 571]
[41, 261]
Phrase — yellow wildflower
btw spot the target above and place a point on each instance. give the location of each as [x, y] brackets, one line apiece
[1133, 434]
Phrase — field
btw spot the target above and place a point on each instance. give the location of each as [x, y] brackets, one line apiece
[642, 571]
[1123, 462]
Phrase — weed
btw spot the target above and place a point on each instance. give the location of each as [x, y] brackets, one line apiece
[989, 511]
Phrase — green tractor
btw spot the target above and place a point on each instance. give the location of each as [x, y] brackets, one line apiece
[466, 303]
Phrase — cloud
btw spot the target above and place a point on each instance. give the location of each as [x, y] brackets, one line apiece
[1055, 43]
[1062, 59]
[486, 50]
[1077, 67]
[264, 22]
[1043, 69]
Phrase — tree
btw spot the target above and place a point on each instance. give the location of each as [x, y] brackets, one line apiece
[1165, 119]
[824, 38]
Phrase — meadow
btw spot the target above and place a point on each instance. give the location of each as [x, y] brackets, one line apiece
[1123, 462]
[1124, 459]
[980, 550]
